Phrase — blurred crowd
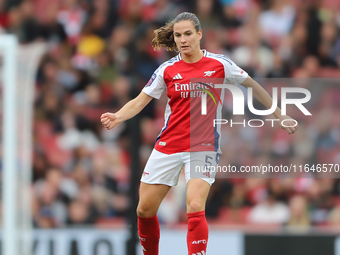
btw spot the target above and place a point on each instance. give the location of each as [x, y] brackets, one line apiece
[100, 56]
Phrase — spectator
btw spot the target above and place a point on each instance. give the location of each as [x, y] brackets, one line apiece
[299, 216]
[270, 211]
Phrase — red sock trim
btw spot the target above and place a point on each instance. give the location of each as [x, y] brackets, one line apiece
[196, 214]
[147, 218]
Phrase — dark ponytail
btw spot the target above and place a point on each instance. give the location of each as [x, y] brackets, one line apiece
[165, 35]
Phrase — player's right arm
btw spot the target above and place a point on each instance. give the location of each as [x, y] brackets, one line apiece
[128, 111]
[153, 89]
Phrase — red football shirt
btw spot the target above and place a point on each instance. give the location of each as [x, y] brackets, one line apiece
[185, 128]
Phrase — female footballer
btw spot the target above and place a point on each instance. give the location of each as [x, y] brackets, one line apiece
[183, 142]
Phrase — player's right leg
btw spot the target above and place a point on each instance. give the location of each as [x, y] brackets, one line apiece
[160, 174]
[150, 198]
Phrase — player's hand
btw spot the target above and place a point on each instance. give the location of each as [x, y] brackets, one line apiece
[289, 122]
[109, 120]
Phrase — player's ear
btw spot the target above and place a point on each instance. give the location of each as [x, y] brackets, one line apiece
[200, 34]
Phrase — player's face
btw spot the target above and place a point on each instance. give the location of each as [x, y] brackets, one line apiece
[186, 37]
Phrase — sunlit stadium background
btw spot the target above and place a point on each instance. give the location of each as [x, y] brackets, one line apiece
[81, 58]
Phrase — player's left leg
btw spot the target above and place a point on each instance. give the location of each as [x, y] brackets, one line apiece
[197, 237]
[199, 175]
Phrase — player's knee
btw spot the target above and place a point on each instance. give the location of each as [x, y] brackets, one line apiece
[195, 206]
[145, 211]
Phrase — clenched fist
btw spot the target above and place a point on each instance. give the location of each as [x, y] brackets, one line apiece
[289, 123]
[109, 120]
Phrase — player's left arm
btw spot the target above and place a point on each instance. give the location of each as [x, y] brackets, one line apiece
[263, 97]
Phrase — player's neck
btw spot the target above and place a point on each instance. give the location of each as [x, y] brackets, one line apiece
[194, 57]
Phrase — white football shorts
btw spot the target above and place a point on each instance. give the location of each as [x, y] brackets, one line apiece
[165, 169]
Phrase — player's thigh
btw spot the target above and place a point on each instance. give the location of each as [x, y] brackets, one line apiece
[197, 194]
[150, 198]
